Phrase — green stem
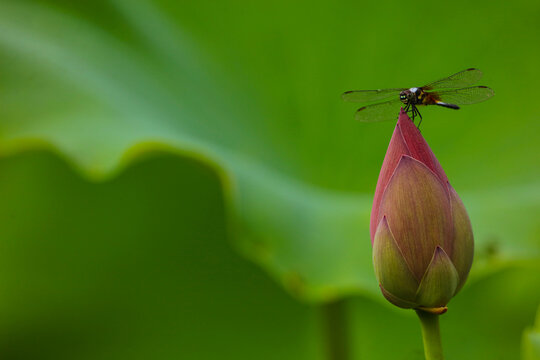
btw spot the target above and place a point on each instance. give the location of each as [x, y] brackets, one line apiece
[431, 335]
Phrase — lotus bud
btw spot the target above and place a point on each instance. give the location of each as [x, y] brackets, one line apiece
[420, 231]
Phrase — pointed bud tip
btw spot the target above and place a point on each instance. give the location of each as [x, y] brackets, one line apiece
[403, 116]
[407, 125]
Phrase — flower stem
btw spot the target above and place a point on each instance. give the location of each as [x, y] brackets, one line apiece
[431, 335]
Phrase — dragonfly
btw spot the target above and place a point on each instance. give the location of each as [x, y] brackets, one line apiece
[449, 92]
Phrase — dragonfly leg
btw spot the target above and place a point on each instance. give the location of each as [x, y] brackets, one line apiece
[406, 109]
[420, 119]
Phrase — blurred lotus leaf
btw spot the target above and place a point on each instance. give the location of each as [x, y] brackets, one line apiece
[95, 79]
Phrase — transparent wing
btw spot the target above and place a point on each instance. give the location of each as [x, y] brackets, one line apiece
[387, 110]
[466, 96]
[461, 79]
[367, 96]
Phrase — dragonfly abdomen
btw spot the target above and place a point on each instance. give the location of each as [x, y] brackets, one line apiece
[450, 106]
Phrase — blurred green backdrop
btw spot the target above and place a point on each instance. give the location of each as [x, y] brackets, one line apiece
[180, 180]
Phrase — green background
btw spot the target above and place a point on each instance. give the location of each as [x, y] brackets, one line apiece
[181, 180]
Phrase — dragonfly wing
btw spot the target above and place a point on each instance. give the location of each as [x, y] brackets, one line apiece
[465, 96]
[367, 96]
[461, 79]
[387, 110]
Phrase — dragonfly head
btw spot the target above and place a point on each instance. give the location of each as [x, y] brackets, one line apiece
[406, 96]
